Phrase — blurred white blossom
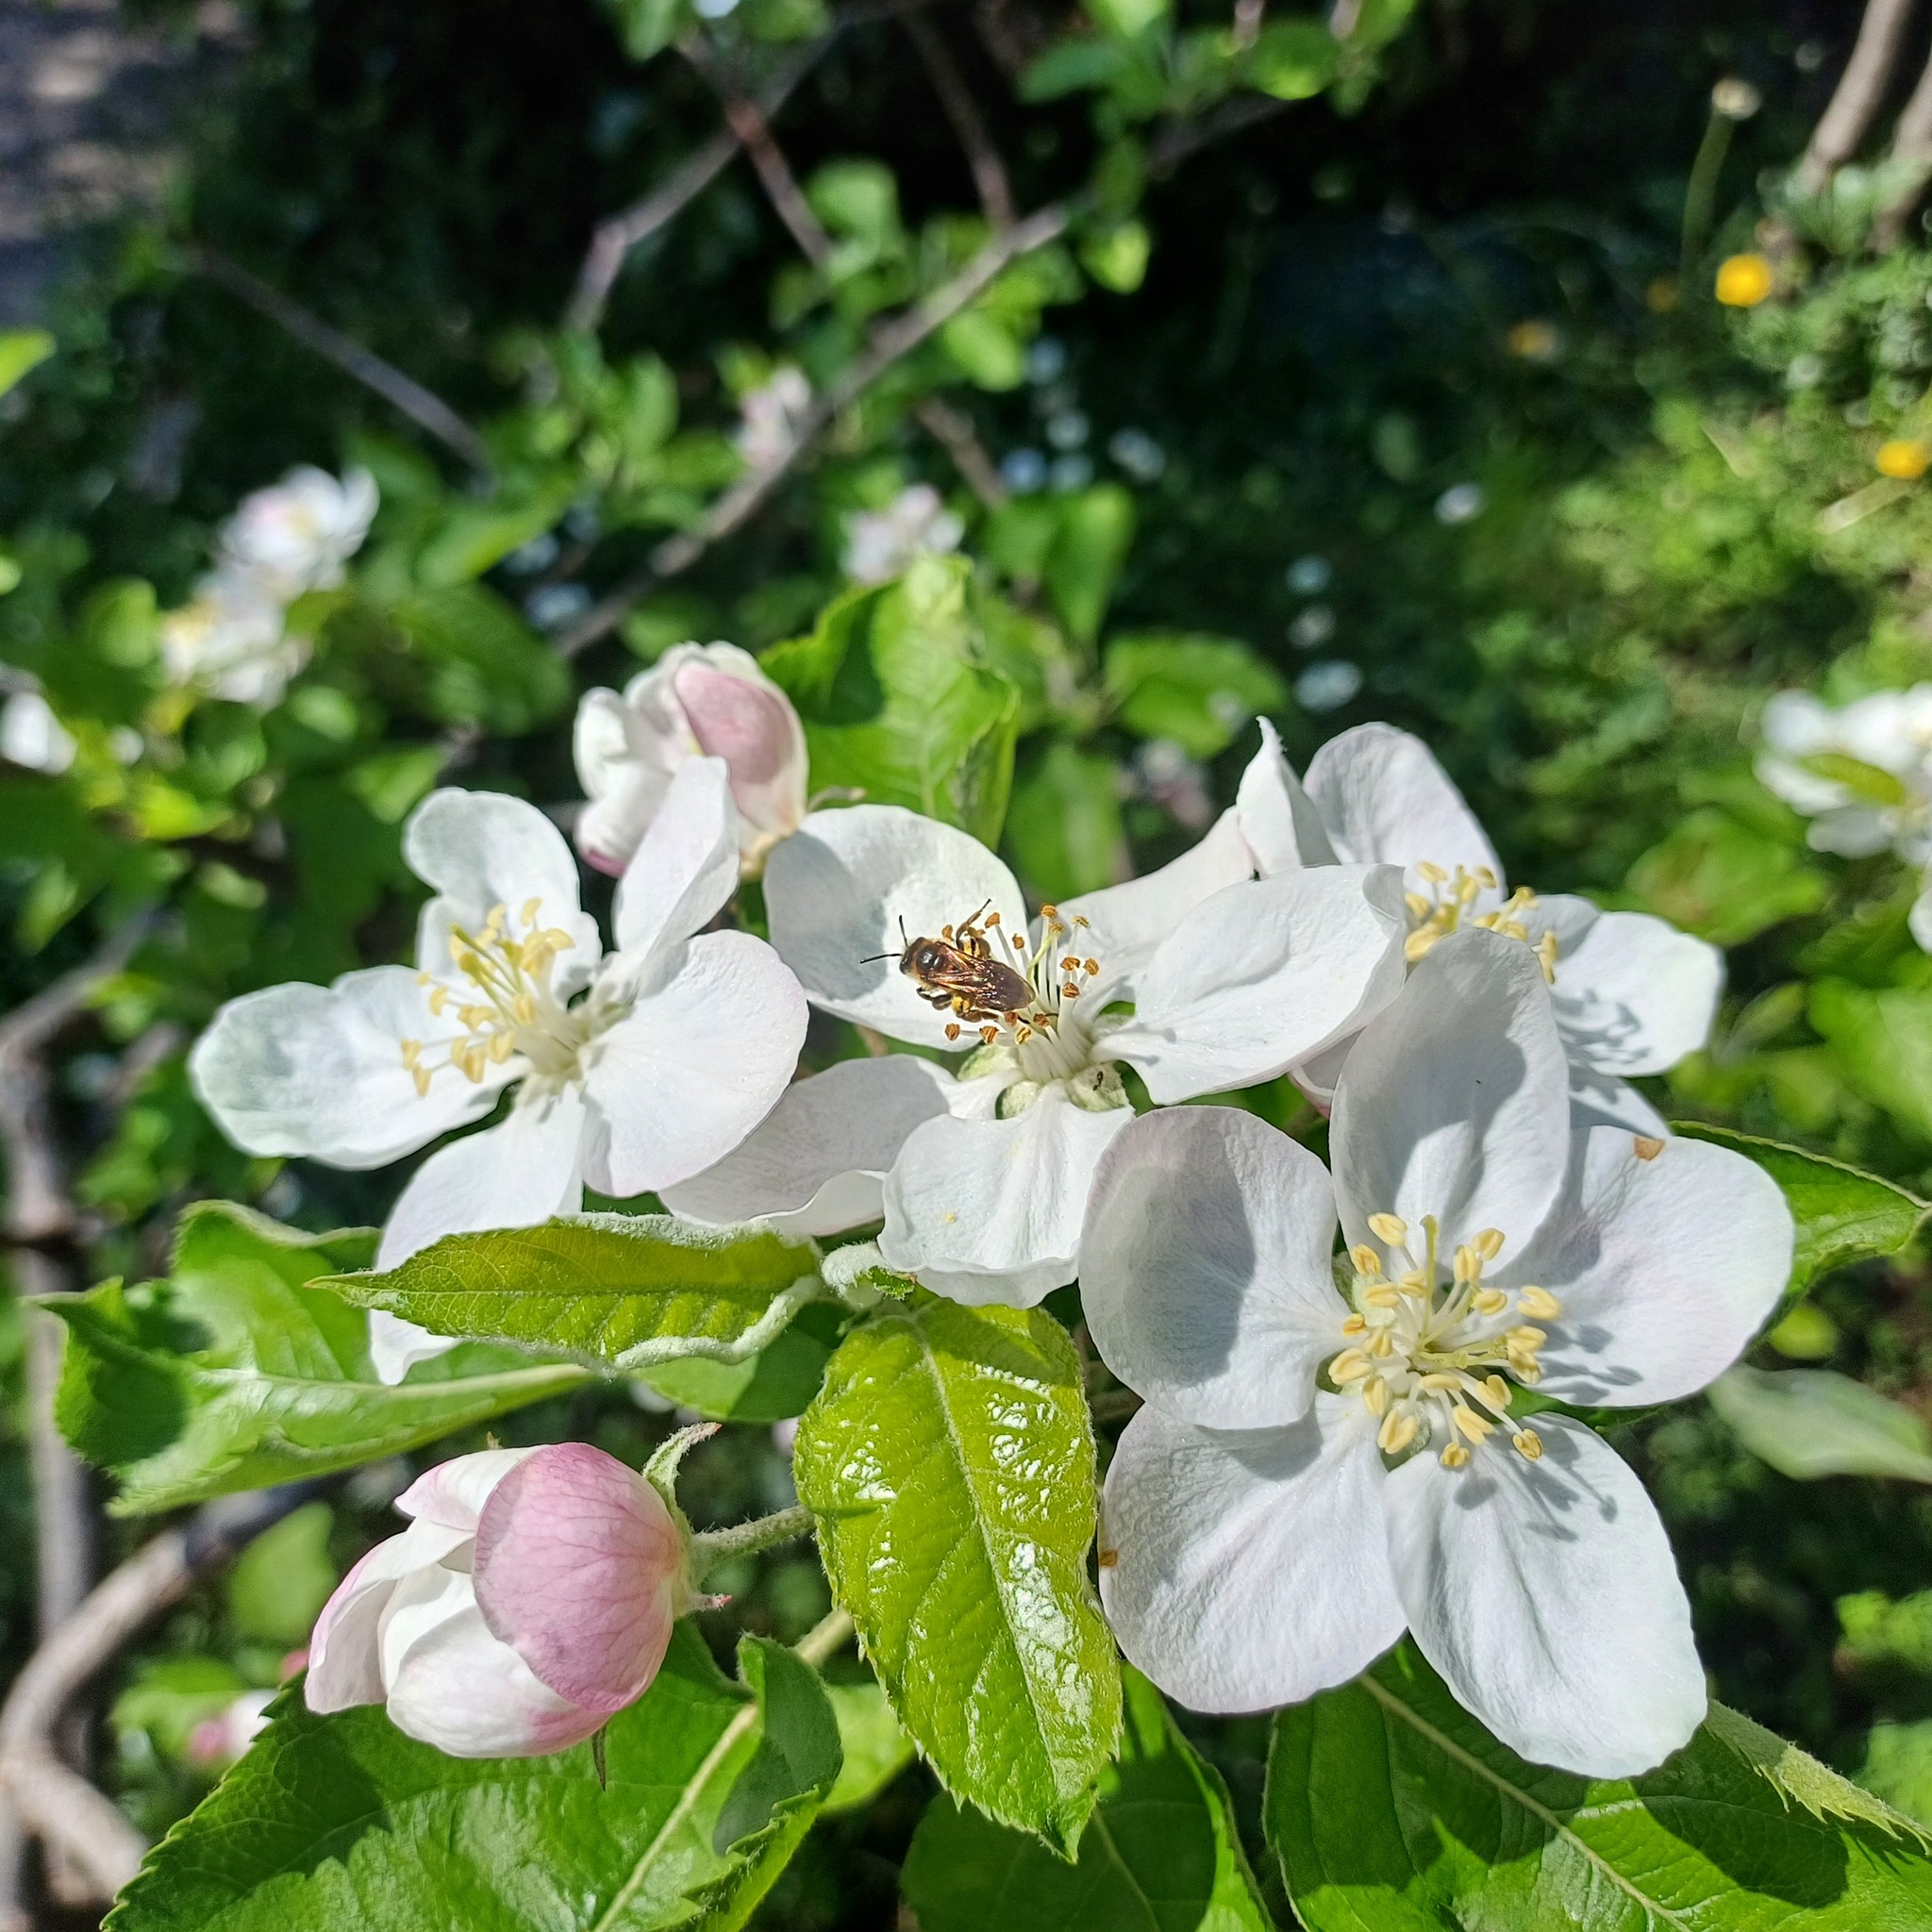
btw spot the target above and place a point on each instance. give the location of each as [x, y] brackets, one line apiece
[771, 415]
[32, 736]
[879, 544]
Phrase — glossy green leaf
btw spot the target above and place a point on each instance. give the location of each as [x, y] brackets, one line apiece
[237, 1371]
[876, 1749]
[1842, 1214]
[1809, 1423]
[1200, 691]
[1726, 881]
[1882, 1042]
[1392, 1810]
[1160, 1853]
[22, 350]
[336, 1822]
[896, 703]
[949, 1460]
[621, 1291]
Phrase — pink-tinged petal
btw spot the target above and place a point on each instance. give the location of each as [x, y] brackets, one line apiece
[452, 1494]
[345, 1661]
[577, 1567]
[750, 723]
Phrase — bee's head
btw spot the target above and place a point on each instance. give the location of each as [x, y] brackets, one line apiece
[922, 960]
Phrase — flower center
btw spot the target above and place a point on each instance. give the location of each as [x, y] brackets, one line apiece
[1448, 904]
[505, 1004]
[1429, 1356]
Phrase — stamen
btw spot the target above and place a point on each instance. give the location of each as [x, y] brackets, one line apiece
[1366, 1261]
[1398, 1430]
[1527, 1442]
[1539, 1303]
[1388, 1228]
[1454, 1456]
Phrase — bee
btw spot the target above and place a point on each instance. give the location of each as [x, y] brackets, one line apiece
[958, 974]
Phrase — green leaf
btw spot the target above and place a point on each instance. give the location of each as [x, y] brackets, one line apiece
[1392, 1810]
[1071, 66]
[1096, 532]
[1720, 879]
[1882, 1042]
[1126, 19]
[949, 1461]
[776, 1383]
[1066, 831]
[1809, 1423]
[648, 27]
[1879, 1633]
[897, 705]
[237, 1371]
[987, 351]
[472, 537]
[1200, 691]
[22, 350]
[342, 1821]
[172, 1696]
[277, 1587]
[874, 1749]
[1842, 1215]
[1160, 1853]
[485, 665]
[617, 1289]
[1293, 60]
[1116, 256]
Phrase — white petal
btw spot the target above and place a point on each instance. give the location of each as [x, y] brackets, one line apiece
[451, 1495]
[1248, 1569]
[1633, 994]
[1385, 799]
[1455, 1102]
[395, 1346]
[1920, 920]
[687, 866]
[1205, 1271]
[1601, 1100]
[1545, 1594]
[344, 1663]
[840, 889]
[1277, 817]
[481, 850]
[1852, 831]
[1262, 975]
[1667, 1260]
[515, 1174]
[817, 1163]
[990, 1210]
[625, 772]
[1126, 922]
[314, 1070]
[696, 1064]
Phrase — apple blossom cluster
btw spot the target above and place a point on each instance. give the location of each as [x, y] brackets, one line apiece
[1332, 1449]
[1861, 775]
[232, 639]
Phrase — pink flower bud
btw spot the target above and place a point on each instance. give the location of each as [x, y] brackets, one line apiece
[697, 701]
[531, 1598]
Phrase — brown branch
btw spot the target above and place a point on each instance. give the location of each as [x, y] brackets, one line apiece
[99, 1846]
[1911, 144]
[951, 429]
[745, 120]
[428, 411]
[962, 110]
[1859, 93]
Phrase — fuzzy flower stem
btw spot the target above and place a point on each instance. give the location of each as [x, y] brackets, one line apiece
[711, 1547]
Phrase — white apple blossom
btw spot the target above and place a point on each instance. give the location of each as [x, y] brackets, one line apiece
[33, 737]
[697, 701]
[296, 535]
[530, 1599]
[1633, 994]
[771, 417]
[679, 1045]
[1333, 1449]
[879, 544]
[231, 640]
[982, 1178]
[1862, 775]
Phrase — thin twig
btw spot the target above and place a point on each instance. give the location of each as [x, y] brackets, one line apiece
[1859, 93]
[1912, 142]
[745, 120]
[56, 1804]
[962, 110]
[428, 411]
[951, 429]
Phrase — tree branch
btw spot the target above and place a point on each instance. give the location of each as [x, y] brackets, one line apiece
[428, 411]
[1859, 93]
[1912, 142]
[57, 1804]
[962, 110]
[952, 430]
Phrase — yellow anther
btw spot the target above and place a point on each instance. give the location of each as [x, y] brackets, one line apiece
[1387, 1296]
[1539, 1303]
[992, 919]
[1397, 1432]
[1351, 1365]
[1419, 907]
[1381, 1344]
[1367, 1262]
[1472, 1425]
[1416, 946]
[1375, 1396]
[1546, 955]
[1527, 1442]
[1492, 1301]
[412, 1052]
[1499, 1393]
[1413, 1283]
[438, 999]
[1526, 1338]
[1488, 1243]
[1354, 1325]
[1454, 1456]
[1484, 876]
[421, 1077]
[1434, 873]
[1081, 919]
[1391, 1228]
[1092, 967]
[1438, 1381]
[531, 907]
[501, 1046]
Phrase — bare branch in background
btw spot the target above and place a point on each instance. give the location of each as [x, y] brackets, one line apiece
[962, 110]
[747, 122]
[1859, 94]
[952, 430]
[428, 411]
[1912, 142]
[76, 1823]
